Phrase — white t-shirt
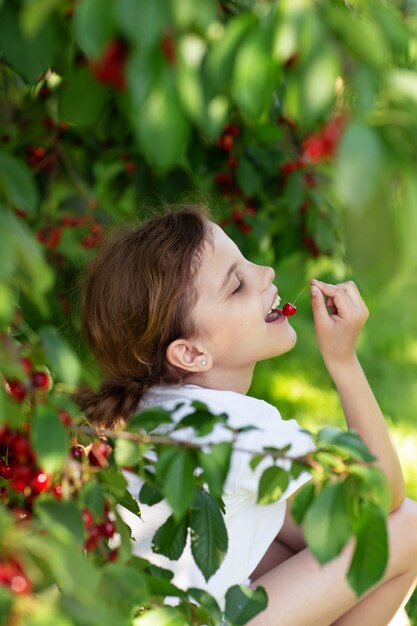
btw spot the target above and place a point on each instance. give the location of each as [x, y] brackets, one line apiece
[251, 527]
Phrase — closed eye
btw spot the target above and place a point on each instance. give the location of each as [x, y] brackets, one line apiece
[238, 288]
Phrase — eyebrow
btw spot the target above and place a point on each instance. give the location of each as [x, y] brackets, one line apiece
[228, 275]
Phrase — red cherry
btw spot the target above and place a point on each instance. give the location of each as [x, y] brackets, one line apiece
[114, 555]
[93, 539]
[77, 452]
[232, 129]
[17, 390]
[110, 67]
[57, 491]
[87, 518]
[40, 482]
[27, 364]
[130, 167]
[22, 477]
[289, 309]
[168, 48]
[19, 446]
[20, 584]
[226, 142]
[65, 418]
[41, 380]
[107, 529]
[98, 454]
[6, 471]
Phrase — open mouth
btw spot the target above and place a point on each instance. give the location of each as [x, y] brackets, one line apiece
[274, 312]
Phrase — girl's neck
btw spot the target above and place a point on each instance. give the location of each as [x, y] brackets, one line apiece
[238, 381]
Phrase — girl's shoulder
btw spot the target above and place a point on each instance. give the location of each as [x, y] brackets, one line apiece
[241, 410]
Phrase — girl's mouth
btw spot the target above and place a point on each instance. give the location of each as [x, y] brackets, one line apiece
[274, 316]
[274, 312]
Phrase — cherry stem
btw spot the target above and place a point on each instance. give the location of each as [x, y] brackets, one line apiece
[299, 293]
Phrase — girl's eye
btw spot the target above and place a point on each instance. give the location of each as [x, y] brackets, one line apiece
[239, 288]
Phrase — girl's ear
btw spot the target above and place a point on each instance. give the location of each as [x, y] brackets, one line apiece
[187, 356]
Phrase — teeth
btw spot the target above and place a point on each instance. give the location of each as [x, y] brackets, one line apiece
[275, 304]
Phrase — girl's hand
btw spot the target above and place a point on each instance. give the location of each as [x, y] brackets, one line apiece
[337, 332]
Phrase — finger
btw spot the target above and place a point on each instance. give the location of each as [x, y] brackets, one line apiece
[318, 305]
[352, 290]
[341, 302]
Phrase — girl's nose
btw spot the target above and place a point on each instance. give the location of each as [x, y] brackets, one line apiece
[268, 276]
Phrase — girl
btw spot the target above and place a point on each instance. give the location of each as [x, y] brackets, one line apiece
[174, 313]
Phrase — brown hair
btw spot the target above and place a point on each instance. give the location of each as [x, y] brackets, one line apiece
[135, 300]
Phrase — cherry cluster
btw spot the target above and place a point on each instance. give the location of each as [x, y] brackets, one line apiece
[24, 480]
[99, 532]
[40, 159]
[315, 148]
[13, 576]
[36, 380]
[50, 236]
[227, 183]
[110, 67]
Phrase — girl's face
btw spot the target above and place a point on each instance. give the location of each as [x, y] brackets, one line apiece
[234, 297]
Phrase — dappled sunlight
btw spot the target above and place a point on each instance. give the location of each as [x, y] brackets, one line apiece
[311, 405]
[406, 445]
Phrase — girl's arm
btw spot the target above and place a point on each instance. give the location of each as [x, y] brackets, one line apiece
[337, 334]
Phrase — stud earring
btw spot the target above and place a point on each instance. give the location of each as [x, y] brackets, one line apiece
[203, 362]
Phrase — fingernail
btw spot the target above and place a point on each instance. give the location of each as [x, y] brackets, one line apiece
[314, 290]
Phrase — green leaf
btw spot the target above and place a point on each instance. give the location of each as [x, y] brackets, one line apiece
[78, 110]
[170, 538]
[371, 553]
[248, 177]
[160, 122]
[243, 603]
[202, 420]
[94, 497]
[61, 517]
[168, 616]
[94, 26]
[252, 76]
[377, 482]
[7, 305]
[175, 468]
[149, 419]
[17, 183]
[5, 605]
[215, 463]
[49, 438]
[127, 453]
[209, 540]
[327, 524]
[349, 442]
[302, 501]
[150, 496]
[207, 601]
[113, 481]
[218, 65]
[360, 150]
[29, 57]
[142, 21]
[34, 15]
[255, 460]
[129, 502]
[32, 268]
[61, 357]
[272, 484]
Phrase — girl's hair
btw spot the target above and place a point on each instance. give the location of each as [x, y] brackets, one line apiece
[135, 300]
